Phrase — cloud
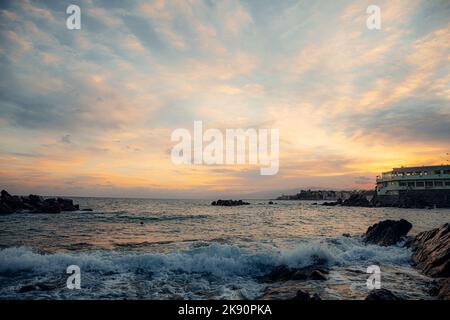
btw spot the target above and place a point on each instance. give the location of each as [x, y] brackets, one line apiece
[101, 102]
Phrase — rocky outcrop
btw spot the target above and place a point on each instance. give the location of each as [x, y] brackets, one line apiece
[357, 200]
[387, 232]
[34, 204]
[432, 251]
[229, 203]
[382, 294]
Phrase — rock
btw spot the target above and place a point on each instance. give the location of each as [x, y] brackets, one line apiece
[67, 204]
[382, 294]
[34, 204]
[13, 202]
[315, 297]
[229, 203]
[347, 235]
[432, 251]
[302, 296]
[305, 296]
[357, 200]
[284, 273]
[270, 202]
[5, 209]
[87, 209]
[387, 232]
[444, 290]
[318, 275]
[331, 204]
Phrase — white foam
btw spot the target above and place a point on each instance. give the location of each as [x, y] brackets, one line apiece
[216, 259]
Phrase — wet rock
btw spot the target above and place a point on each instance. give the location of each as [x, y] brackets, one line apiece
[305, 296]
[318, 275]
[229, 203]
[444, 290]
[347, 235]
[270, 202]
[387, 232]
[382, 294]
[284, 273]
[432, 251]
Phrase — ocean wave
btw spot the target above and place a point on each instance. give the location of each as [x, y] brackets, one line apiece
[221, 260]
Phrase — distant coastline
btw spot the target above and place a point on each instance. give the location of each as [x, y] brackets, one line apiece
[325, 194]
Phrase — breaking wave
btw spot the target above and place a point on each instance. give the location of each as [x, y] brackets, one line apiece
[216, 259]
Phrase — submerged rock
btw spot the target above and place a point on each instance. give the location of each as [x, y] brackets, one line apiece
[382, 294]
[432, 251]
[387, 232]
[229, 203]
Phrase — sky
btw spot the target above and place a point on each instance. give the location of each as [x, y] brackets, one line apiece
[90, 112]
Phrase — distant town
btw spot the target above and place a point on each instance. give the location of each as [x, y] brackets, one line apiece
[325, 194]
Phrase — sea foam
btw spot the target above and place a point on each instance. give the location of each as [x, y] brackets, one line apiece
[216, 259]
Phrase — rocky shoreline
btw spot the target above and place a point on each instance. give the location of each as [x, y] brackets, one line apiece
[431, 256]
[10, 204]
[410, 200]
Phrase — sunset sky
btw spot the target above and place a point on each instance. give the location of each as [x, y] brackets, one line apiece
[90, 112]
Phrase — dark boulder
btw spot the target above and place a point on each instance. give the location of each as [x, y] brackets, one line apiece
[444, 290]
[5, 209]
[333, 203]
[382, 294]
[357, 200]
[432, 251]
[330, 204]
[13, 202]
[285, 273]
[229, 203]
[387, 232]
[67, 204]
[305, 296]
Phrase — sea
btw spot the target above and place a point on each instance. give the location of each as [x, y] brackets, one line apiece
[188, 249]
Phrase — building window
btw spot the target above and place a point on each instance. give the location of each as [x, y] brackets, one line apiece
[419, 184]
[411, 184]
[438, 183]
[437, 171]
[402, 184]
[447, 183]
[446, 171]
[428, 183]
